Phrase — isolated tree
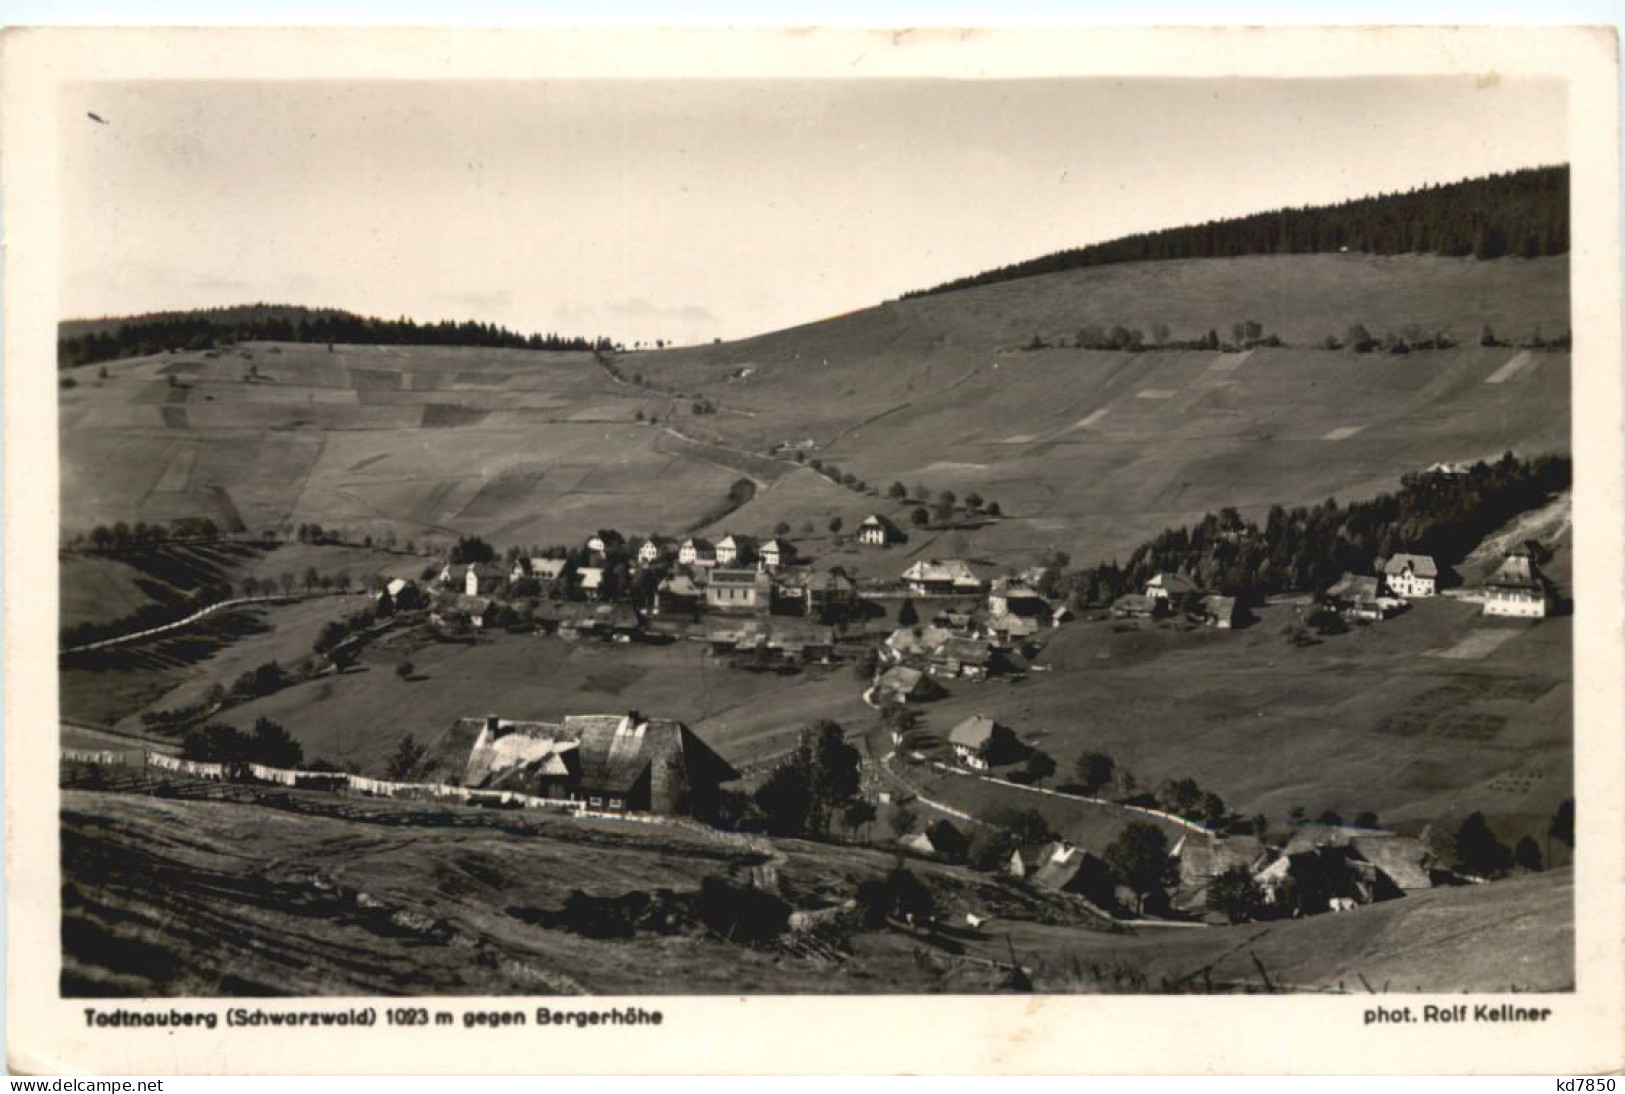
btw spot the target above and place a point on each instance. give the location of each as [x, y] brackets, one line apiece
[920, 517]
[902, 821]
[1477, 849]
[1330, 817]
[1486, 337]
[408, 754]
[1527, 855]
[782, 528]
[835, 525]
[858, 815]
[1159, 331]
[1140, 860]
[311, 579]
[272, 745]
[1093, 770]
[897, 491]
[908, 615]
[993, 509]
[1561, 827]
[973, 501]
[1366, 819]
[1040, 766]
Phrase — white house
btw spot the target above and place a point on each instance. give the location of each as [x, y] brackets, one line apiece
[654, 548]
[877, 531]
[734, 550]
[1516, 589]
[592, 581]
[777, 553]
[970, 740]
[697, 551]
[1411, 576]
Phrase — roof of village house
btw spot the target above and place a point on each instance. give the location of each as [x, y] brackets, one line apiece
[1223, 607]
[1207, 856]
[1420, 565]
[877, 520]
[487, 569]
[906, 641]
[1171, 582]
[541, 746]
[902, 679]
[680, 585]
[1009, 587]
[1135, 602]
[394, 588]
[739, 577]
[1355, 587]
[973, 732]
[549, 568]
[1517, 572]
[699, 543]
[1404, 860]
[591, 577]
[965, 650]
[732, 540]
[1016, 626]
[616, 750]
[779, 546]
[1307, 837]
[952, 570]
[473, 605]
[832, 581]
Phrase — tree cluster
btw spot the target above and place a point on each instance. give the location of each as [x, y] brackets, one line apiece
[1520, 212]
[205, 329]
[268, 744]
[1307, 548]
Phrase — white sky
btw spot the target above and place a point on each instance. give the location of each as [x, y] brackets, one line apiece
[688, 210]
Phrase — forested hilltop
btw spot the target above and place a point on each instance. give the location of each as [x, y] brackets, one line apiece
[85, 342]
[1522, 213]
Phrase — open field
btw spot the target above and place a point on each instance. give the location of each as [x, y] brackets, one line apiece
[420, 441]
[105, 588]
[112, 687]
[1363, 720]
[361, 714]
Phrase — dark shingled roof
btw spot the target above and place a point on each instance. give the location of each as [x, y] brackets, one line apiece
[615, 751]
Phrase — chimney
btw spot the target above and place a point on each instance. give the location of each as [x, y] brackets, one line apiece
[492, 725]
[633, 718]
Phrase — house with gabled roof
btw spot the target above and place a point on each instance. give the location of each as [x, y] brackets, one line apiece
[483, 578]
[970, 741]
[736, 550]
[1170, 587]
[697, 551]
[655, 548]
[1517, 589]
[778, 553]
[938, 577]
[590, 580]
[739, 590]
[879, 531]
[902, 684]
[1411, 576]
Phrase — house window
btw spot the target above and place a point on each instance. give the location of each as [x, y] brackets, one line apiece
[615, 803]
[595, 802]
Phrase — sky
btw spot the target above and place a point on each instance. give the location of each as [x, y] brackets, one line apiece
[688, 210]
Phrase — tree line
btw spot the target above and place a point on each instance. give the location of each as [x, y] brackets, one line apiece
[1515, 213]
[1307, 548]
[206, 329]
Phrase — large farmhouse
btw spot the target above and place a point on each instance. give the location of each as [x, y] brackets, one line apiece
[1516, 589]
[1411, 576]
[609, 762]
[739, 590]
[931, 577]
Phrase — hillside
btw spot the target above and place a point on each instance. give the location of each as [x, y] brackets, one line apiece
[1087, 451]
[171, 897]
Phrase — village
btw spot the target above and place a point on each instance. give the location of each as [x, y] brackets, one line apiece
[938, 626]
